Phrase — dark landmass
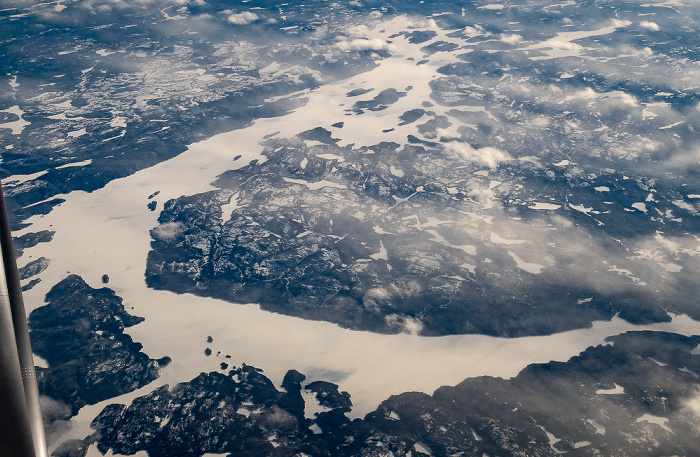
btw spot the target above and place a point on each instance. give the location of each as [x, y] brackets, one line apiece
[358, 92]
[420, 36]
[411, 116]
[30, 285]
[635, 396]
[33, 268]
[392, 240]
[29, 240]
[64, 83]
[380, 102]
[439, 46]
[391, 262]
[80, 333]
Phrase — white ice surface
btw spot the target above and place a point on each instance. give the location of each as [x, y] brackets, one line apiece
[599, 429]
[40, 362]
[690, 372]
[660, 421]
[563, 44]
[529, 267]
[77, 133]
[640, 206]
[382, 254]
[16, 180]
[552, 441]
[315, 185]
[107, 232]
[422, 447]
[75, 164]
[544, 206]
[500, 240]
[93, 452]
[18, 125]
[312, 408]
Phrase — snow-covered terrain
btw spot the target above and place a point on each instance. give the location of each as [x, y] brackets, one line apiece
[552, 161]
[107, 232]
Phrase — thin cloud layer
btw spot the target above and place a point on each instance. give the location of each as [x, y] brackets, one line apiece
[244, 18]
[491, 157]
[363, 44]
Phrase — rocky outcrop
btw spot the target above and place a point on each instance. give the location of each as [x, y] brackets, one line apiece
[401, 239]
[33, 268]
[636, 395]
[80, 333]
[241, 412]
[31, 239]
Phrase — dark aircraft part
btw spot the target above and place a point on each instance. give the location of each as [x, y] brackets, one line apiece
[21, 424]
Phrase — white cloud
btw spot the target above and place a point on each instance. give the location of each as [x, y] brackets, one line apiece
[620, 23]
[490, 7]
[511, 39]
[358, 31]
[649, 25]
[481, 194]
[243, 18]
[168, 231]
[425, 24]
[405, 324]
[363, 44]
[682, 159]
[475, 31]
[563, 45]
[693, 404]
[491, 157]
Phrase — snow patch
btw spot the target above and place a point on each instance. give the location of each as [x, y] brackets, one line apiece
[614, 391]
[640, 206]
[552, 440]
[16, 126]
[382, 254]
[499, 240]
[40, 362]
[532, 268]
[312, 407]
[599, 429]
[331, 156]
[422, 447]
[77, 133]
[491, 157]
[396, 171]
[544, 206]
[660, 421]
[315, 185]
[75, 164]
